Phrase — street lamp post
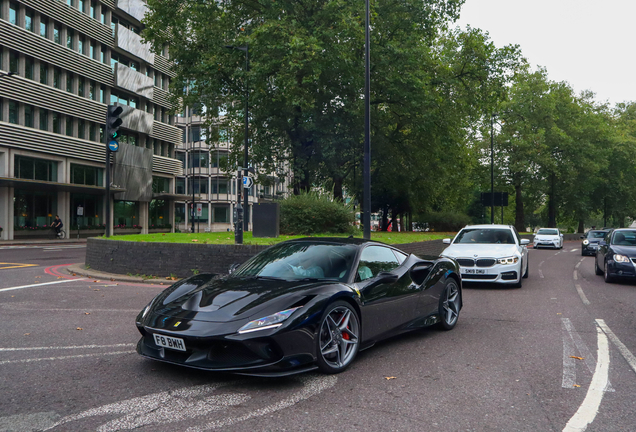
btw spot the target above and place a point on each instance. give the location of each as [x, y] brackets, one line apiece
[492, 169]
[366, 196]
[246, 49]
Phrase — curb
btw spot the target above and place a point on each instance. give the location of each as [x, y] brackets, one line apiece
[79, 269]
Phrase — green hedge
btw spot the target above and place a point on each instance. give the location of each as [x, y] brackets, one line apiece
[446, 221]
[313, 213]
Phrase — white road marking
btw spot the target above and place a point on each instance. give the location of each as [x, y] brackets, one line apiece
[41, 284]
[569, 366]
[65, 357]
[583, 350]
[52, 250]
[575, 275]
[582, 259]
[578, 264]
[589, 408]
[573, 250]
[67, 347]
[541, 263]
[187, 403]
[540, 274]
[631, 359]
[582, 294]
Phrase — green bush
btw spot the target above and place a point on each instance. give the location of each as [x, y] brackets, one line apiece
[313, 213]
[446, 221]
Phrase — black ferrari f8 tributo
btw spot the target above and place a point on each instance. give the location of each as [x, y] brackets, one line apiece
[299, 305]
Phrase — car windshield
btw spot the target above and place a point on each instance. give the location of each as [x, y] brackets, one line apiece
[548, 232]
[301, 260]
[596, 234]
[624, 238]
[484, 236]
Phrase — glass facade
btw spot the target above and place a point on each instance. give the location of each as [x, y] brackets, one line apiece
[126, 214]
[158, 214]
[92, 208]
[35, 169]
[33, 210]
[86, 175]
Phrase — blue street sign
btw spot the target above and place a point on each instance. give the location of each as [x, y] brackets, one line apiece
[113, 146]
[247, 182]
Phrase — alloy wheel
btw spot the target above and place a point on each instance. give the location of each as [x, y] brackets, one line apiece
[339, 337]
[450, 304]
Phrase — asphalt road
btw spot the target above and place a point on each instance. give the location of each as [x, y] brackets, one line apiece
[518, 360]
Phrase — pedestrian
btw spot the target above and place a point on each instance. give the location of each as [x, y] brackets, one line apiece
[57, 225]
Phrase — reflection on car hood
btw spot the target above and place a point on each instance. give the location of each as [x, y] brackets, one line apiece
[628, 251]
[231, 299]
[480, 250]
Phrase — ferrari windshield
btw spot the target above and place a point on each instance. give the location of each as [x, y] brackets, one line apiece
[548, 232]
[301, 260]
[624, 238]
[485, 236]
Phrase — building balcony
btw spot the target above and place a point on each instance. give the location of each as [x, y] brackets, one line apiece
[134, 81]
[137, 120]
[131, 42]
[135, 8]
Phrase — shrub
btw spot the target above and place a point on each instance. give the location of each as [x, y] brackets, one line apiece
[314, 213]
[446, 221]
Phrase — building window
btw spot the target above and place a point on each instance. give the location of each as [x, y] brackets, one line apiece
[69, 2]
[28, 67]
[69, 82]
[91, 52]
[80, 86]
[181, 157]
[92, 130]
[57, 34]
[35, 169]
[69, 38]
[28, 115]
[158, 214]
[44, 119]
[57, 78]
[69, 126]
[56, 123]
[81, 127]
[221, 214]
[220, 187]
[103, 54]
[44, 73]
[80, 5]
[160, 185]
[93, 10]
[200, 185]
[43, 27]
[28, 20]
[102, 94]
[86, 175]
[180, 186]
[103, 16]
[13, 13]
[91, 91]
[14, 61]
[13, 112]
[80, 45]
[33, 209]
[126, 214]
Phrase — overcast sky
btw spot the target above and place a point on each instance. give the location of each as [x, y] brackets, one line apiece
[588, 43]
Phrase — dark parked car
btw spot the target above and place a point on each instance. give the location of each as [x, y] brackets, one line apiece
[299, 305]
[590, 241]
[616, 254]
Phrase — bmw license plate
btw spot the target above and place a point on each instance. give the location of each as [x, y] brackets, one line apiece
[170, 342]
[474, 271]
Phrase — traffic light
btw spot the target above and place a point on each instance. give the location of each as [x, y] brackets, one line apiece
[113, 122]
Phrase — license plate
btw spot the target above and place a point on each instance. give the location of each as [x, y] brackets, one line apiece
[474, 271]
[170, 342]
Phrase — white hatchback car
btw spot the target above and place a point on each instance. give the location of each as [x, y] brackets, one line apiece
[490, 253]
[548, 237]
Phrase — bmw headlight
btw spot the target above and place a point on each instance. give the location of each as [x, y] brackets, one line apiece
[586, 242]
[508, 260]
[620, 258]
[268, 322]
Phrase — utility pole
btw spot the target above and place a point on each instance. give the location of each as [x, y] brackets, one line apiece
[366, 195]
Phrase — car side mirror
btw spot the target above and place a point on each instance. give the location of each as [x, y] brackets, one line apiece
[446, 241]
[233, 267]
[420, 271]
[524, 242]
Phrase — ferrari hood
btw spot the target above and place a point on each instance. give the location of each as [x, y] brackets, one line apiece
[480, 250]
[231, 299]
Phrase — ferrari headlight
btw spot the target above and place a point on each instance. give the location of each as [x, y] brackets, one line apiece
[508, 260]
[147, 308]
[620, 258]
[586, 242]
[268, 322]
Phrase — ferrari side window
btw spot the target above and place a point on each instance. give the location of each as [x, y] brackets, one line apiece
[374, 260]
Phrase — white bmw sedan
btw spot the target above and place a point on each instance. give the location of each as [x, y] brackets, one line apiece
[490, 253]
[548, 237]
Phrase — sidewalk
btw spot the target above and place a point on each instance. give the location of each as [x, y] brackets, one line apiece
[80, 270]
[27, 242]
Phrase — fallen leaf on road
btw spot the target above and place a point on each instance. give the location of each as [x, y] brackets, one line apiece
[87, 313]
[37, 277]
[27, 334]
[575, 357]
[74, 274]
[390, 378]
[59, 277]
[576, 385]
[95, 290]
[12, 296]
[95, 281]
[79, 328]
[558, 313]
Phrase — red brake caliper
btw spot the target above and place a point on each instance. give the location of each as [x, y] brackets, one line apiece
[346, 335]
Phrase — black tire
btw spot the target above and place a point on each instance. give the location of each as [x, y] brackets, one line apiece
[449, 305]
[597, 270]
[347, 339]
[606, 275]
[525, 275]
[62, 235]
[582, 253]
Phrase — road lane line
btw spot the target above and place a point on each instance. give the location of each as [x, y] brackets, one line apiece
[67, 347]
[589, 408]
[540, 274]
[584, 351]
[582, 294]
[573, 250]
[582, 259]
[541, 263]
[575, 275]
[65, 357]
[569, 367]
[41, 284]
[631, 359]
[16, 265]
[578, 264]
